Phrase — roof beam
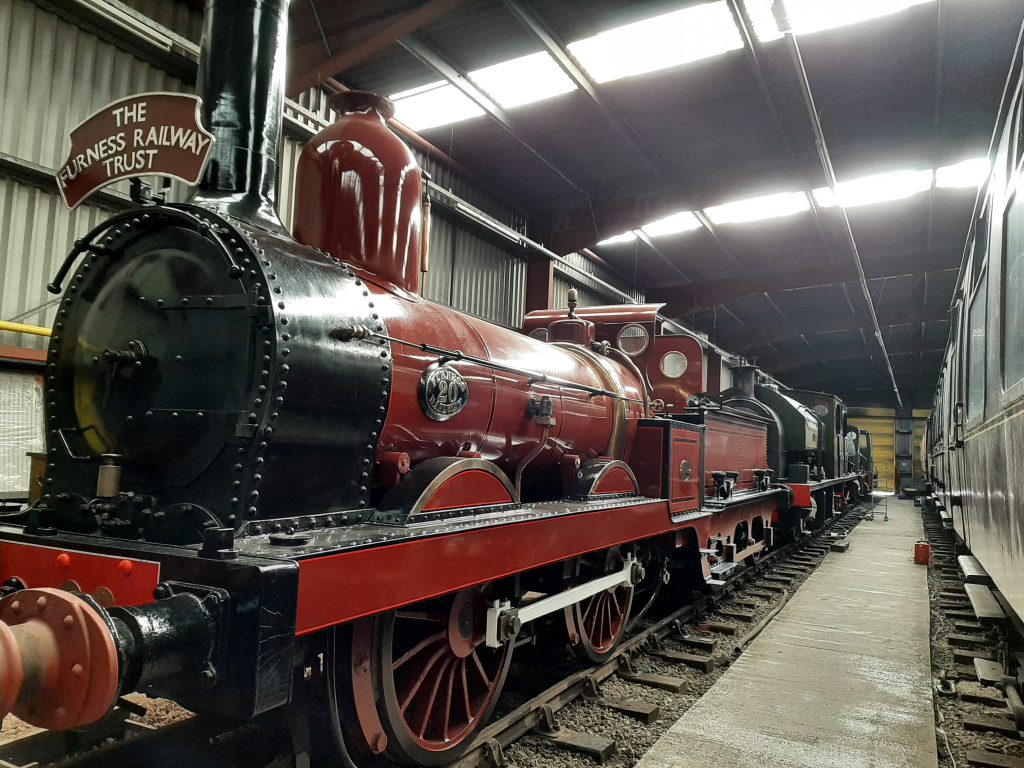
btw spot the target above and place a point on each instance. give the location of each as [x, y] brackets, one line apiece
[560, 53]
[768, 333]
[441, 65]
[917, 397]
[644, 238]
[682, 300]
[577, 225]
[362, 21]
[778, 364]
[312, 74]
[864, 377]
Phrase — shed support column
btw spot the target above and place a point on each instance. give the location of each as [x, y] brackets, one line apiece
[540, 283]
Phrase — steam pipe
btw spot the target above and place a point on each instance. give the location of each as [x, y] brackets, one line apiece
[533, 454]
[241, 83]
[425, 235]
[645, 385]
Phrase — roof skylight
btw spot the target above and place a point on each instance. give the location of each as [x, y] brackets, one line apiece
[759, 208]
[808, 16]
[623, 237]
[431, 105]
[523, 80]
[969, 173]
[867, 190]
[690, 34]
[878, 188]
[684, 221]
[669, 40]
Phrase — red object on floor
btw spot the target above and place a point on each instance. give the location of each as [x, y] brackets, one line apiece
[922, 553]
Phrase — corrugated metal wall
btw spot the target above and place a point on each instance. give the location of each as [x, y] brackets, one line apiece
[57, 74]
[473, 275]
[53, 75]
[590, 292]
[581, 263]
[585, 296]
[185, 19]
[37, 232]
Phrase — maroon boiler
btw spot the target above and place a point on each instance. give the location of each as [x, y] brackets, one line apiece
[358, 197]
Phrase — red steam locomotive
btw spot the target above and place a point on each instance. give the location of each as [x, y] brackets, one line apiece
[276, 474]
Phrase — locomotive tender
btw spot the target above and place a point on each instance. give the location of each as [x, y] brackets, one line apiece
[276, 475]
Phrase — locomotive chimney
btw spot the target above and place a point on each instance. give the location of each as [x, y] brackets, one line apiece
[743, 378]
[241, 83]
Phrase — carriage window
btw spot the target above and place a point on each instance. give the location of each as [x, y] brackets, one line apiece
[1013, 294]
[1012, 138]
[976, 352]
[1018, 135]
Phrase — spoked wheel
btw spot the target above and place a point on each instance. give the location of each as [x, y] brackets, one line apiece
[645, 593]
[422, 679]
[595, 625]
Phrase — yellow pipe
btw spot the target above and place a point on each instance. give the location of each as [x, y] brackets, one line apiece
[34, 330]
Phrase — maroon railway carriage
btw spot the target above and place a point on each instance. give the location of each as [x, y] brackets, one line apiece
[276, 475]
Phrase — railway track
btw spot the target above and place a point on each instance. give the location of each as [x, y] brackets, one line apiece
[975, 659]
[704, 635]
[687, 637]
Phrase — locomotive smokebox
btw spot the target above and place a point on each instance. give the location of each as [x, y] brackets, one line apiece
[359, 193]
[241, 83]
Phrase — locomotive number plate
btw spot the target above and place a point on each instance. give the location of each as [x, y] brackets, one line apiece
[443, 392]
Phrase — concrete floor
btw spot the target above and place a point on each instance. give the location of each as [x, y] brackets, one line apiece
[839, 679]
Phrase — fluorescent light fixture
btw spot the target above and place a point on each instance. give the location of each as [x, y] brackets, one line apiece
[684, 221]
[691, 34]
[758, 208]
[969, 173]
[624, 237]
[432, 105]
[879, 188]
[763, 20]
[808, 16]
[523, 80]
